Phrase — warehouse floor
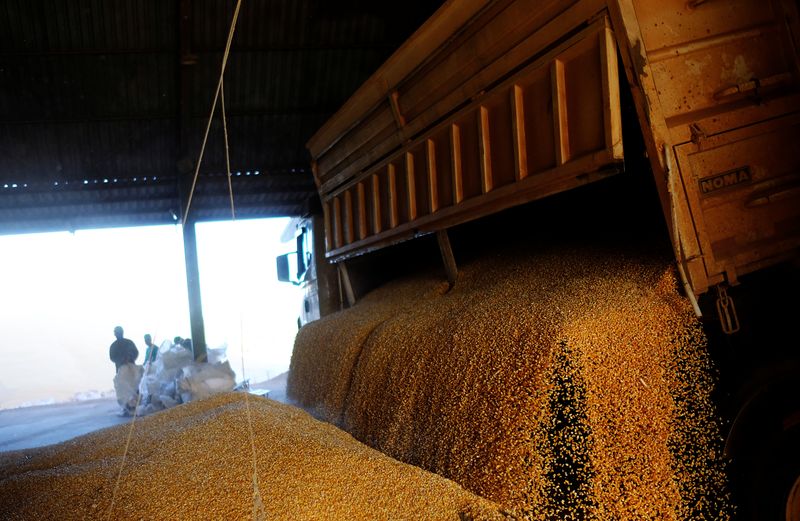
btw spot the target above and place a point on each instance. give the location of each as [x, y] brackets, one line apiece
[29, 427]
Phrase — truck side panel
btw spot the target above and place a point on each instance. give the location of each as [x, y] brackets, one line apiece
[716, 85]
[549, 127]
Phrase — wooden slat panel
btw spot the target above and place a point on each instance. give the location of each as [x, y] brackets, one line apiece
[612, 117]
[583, 92]
[338, 236]
[544, 128]
[560, 121]
[444, 166]
[520, 148]
[411, 187]
[393, 200]
[576, 173]
[361, 211]
[433, 180]
[347, 219]
[500, 53]
[326, 213]
[401, 188]
[486, 151]
[501, 135]
[419, 165]
[377, 217]
[470, 153]
[458, 172]
[540, 140]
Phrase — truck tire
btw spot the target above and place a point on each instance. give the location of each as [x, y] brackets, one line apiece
[764, 447]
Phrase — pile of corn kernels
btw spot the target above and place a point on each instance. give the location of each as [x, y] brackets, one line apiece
[195, 462]
[324, 392]
[569, 384]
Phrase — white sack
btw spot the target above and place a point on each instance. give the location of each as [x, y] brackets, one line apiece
[126, 385]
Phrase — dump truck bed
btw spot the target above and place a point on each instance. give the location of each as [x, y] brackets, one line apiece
[497, 103]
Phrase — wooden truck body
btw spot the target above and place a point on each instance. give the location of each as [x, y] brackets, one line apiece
[496, 103]
[493, 104]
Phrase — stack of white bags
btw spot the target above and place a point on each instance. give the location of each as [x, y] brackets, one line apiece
[173, 378]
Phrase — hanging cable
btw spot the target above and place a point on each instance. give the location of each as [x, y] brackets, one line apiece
[258, 504]
[227, 150]
[213, 108]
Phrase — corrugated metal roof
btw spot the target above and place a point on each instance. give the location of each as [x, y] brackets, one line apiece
[90, 90]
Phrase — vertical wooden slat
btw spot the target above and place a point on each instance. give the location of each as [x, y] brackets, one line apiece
[433, 179]
[348, 217]
[338, 239]
[560, 112]
[376, 204]
[391, 177]
[361, 196]
[611, 103]
[455, 156]
[518, 121]
[326, 214]
[411, 183]
[487, 182]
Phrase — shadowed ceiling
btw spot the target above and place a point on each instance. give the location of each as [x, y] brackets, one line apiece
[103, 103]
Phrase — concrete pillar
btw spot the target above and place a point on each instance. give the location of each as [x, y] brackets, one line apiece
[193, 285]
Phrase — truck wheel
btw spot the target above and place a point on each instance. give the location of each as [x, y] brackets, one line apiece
[765, 465]
[793, 502]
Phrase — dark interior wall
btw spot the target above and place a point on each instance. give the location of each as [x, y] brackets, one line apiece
[101, 100]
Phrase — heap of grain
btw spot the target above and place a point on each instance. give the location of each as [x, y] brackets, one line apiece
[565, 385]
[194, 462]
[324, 392]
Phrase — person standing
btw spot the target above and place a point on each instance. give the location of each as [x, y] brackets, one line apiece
[122, 351]
[152, 350]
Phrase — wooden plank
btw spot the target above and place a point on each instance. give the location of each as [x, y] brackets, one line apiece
[338, 238]
[433, 180]
[326, 214]
[411, 187]
[376, 204]
[560, 128]
[520, 142]
[612, 114]
[361, 198]
[487, 182]
[391, 178]
[349, 232]
[458, 173]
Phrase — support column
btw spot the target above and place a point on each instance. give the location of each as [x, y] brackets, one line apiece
[450, 267]
[184, 67]
[193, 285]
[344, 278]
